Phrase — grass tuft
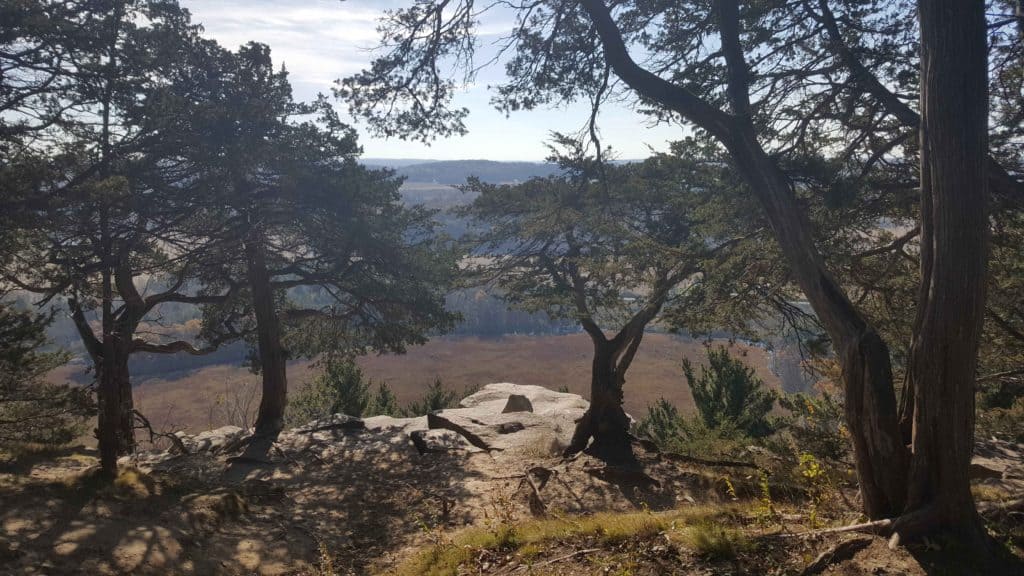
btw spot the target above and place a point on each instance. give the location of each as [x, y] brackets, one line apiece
[527, 538]
[715, 541]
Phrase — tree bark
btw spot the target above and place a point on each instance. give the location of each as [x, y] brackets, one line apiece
[954, 194]
[605, 421]
[871, 408]
[273, 358]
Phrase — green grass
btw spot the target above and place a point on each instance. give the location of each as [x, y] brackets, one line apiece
[715, 541]
[699, 527]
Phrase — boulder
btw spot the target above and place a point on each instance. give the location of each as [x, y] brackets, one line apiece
[517, 403]
[483, 421]
[212, 441]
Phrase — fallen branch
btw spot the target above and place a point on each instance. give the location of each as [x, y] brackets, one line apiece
[537, 506]
[437, 421]
[154, 434]
[874, 527]
[706, 462]
[650, 446]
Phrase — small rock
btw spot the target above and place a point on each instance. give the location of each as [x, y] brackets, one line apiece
[510, 427]
[517, 403]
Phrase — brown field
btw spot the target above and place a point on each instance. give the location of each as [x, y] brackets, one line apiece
[215, 395]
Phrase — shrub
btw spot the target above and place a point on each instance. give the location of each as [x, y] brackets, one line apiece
[815, 424]
[437, 397]
[728, 394]
[1004, 423]
[32, 410]
[341, 389]
[675, 433]
[383, 403]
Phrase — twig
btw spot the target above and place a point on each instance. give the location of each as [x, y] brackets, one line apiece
[537, 506]
[567, 557]
[154, 434]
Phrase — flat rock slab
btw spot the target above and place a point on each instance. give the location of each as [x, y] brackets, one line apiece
[493, 398]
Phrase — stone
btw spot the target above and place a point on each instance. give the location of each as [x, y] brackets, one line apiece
[212, 440]
[482, 419]
[333, 422]
[510, 427]
[440, 441]
[517, 403]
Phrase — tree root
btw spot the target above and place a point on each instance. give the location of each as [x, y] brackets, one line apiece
[650, 446]
[838, 553]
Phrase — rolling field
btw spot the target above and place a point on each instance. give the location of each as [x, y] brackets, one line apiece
[216, 395]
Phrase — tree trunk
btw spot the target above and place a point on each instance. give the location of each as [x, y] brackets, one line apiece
[273, 359]
[871, 407]
[943, 354]
[605, 421]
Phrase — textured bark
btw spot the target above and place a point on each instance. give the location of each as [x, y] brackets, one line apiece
[954, 164]
[273, 358]
[871, 408]
[605, 421]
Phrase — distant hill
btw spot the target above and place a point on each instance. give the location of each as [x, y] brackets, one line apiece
[453, 172]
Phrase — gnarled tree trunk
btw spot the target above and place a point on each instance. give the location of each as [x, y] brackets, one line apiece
[273, 358]
[605, 421]
[954, 239]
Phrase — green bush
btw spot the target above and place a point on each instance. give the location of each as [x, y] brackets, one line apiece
[815, 425]
[437, 397]
[729, 395]
[675, 433]
[31, 409]
[341, 389]
[1004, 423]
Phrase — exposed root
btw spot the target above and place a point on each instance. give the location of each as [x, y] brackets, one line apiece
[838, 553]
[676, 457]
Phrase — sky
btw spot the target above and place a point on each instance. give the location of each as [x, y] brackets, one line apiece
[320, 41]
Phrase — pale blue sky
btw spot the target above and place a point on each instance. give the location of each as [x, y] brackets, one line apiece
[322, 40]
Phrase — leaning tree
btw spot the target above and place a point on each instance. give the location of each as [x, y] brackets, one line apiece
[722, 68]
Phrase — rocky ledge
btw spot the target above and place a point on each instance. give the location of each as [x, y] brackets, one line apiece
[512, 419]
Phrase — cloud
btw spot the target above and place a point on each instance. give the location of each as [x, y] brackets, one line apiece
[322, 40]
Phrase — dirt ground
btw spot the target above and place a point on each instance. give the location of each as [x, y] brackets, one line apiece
[356, 504]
